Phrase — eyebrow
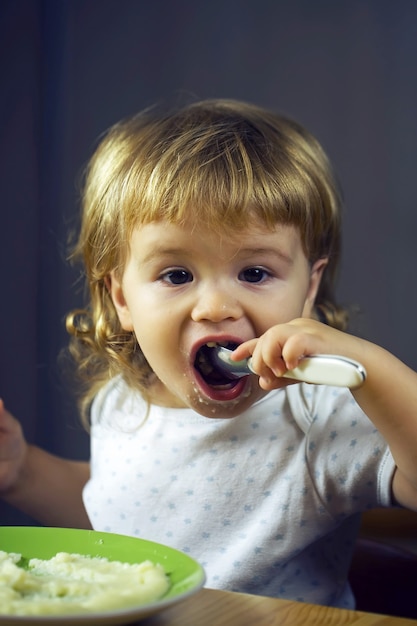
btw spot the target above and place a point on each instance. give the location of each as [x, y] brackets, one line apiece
[286, 257]
[161, 251]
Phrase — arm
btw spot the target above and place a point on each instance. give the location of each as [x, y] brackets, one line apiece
[388, 396]
[40, 484]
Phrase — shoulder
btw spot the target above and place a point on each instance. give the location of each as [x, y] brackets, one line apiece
[116, 400]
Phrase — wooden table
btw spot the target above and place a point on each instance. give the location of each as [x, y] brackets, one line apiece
[210, 607]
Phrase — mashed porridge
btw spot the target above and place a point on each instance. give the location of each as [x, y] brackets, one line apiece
[73, 583]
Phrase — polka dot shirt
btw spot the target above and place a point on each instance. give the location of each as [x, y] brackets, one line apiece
[267, 502]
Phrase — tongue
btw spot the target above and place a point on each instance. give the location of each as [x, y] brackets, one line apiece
[219, 380]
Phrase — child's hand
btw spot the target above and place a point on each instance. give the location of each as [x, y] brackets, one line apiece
[282, 346]
[13, 449]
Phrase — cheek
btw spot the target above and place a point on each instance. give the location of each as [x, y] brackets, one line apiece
[281, 309]
[155, 336]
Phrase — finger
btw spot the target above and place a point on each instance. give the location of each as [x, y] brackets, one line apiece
[244, 350]
[276, 383]
[267, 358]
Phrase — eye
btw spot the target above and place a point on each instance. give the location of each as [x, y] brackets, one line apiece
[254, 275]
[177, 277]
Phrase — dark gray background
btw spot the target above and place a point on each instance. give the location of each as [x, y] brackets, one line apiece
[347, 69]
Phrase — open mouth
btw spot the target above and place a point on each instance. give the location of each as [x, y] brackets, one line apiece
[208, 369]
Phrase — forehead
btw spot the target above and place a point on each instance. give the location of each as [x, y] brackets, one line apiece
[157, 238]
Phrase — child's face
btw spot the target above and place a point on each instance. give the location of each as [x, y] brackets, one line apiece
[184, 286]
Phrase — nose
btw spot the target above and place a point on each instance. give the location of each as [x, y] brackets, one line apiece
[216, 303]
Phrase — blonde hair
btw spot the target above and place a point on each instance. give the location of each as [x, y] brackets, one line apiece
[223, 162]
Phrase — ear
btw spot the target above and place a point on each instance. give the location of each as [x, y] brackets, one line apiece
[316, 274]
[115, 290]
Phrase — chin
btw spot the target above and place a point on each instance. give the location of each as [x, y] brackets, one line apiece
[222, 409]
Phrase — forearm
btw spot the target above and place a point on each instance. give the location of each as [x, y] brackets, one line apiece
[49, 489]
[389, 398]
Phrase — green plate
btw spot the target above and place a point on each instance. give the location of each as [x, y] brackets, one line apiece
[186, 575]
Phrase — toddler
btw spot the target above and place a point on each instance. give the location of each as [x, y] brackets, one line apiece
[219, 224]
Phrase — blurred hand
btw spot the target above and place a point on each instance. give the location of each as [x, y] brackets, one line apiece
[13, 448]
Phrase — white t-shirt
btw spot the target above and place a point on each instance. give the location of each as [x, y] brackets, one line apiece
[267, 502]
